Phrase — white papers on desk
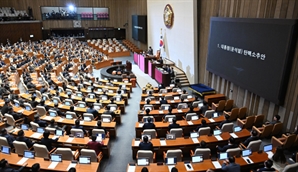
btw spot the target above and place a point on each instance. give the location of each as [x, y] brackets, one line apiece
[216, 164]
[60, 106]
[211, 120]
[189, 123]
[195, 140]
[157, 102]
[70, 139]
[246, 159]
[141, 124]
[71, 165]
[21, 111]
[189, 169]
[55, 137]
[172, 101]
[53, 165]
[36, 135]
[218, 138]
[81, 122]
[159, 94]
[163, 143]
[22, 161]
[1, 103]
[131, 168]
[48, 103]
[170, 167]
[270, 154]
[186, 100]
[61, 120]
[179, 110]
[233, 135]
[137, 143]
[49, 118]
[160, 111]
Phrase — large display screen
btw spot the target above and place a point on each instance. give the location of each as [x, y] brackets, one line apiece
[255, 54]
[139, 28]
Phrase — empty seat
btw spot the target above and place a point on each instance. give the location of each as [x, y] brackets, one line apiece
[41, 151]
[206, 152]
[148, 154]
[177, 131]
[204, 131]
[220, 106]
[191, 116]
[246, 123]
[41, 110]
[92, 154]
[234, 152]
[19, 147]
[151, 132]
[285, 141]
[227, 127]
[174, 154]
[264, 131]
[209, 113]
[67, 153]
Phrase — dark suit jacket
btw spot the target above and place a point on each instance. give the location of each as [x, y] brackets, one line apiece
[223, 122]
[226, 147]
[48, 142]
[26, 140]
[248, 140]
[232, 167]
[80, 127]
[93, 111]
[41, 123]
[148, 126]
[34, 104]
[163, 102]
[203, 109]
[4, 109]
[265, 169]
[58, 111]
[9, 139]
[145, 146]
[173, 126]
[201, 126]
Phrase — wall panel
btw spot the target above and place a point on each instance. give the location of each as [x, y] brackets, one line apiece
[249, 9]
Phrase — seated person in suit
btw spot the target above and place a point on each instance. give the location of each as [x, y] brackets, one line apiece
[57, 110]
[173, 125]
[108, 111]
[53, 124]
[149, 124]
[92, 110]
[145, 144]
[231, 144]
[8, 137]
[78, 126]
[46, 141]
[42, 103]
[15, 115]
[230, 166]
[5, 167]
[204, 108]
[43, 89]
[253, 136]
[267, 166]
[163, 101]
[5, 108]
[225, 121]
[100, 127]
[190, 109]
[169, 112]
[203, 124]
[95, 145]
[276, 119]
[21, 138]
[41, 123]
[35, 167]
[33, 102]
[144, 169]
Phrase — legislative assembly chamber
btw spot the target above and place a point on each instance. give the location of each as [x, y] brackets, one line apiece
[149, 85]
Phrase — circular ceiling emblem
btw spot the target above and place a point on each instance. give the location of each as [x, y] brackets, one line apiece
[168, 16]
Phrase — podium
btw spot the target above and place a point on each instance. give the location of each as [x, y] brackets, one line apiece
[151, 68]
[162, 77]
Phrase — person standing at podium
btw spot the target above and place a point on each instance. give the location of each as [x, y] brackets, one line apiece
[150, 51]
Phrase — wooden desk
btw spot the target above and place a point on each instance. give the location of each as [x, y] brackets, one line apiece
[158, 114]
[258, 159]
[214, 98]
[29, 114]
[13, 159]
[188, 126]
[157, 95]
[187, 144]
[151, 68]
[111, 126]
[66, 141]
[162, 77]
[171, 102]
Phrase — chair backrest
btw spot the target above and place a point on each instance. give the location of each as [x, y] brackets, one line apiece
[151, 132]
[289, 141]
[67, 90]
[242, 112]
[227, 127]
[234, 152]
[46, 96]
[182, 106]
[98, 131]
[209, 113]
[3, 141]
[91, 153]
[107, 116]
[259, 120]
[291, 168]
[10, 119]
[41, 150]
[149, 107]
[189, 116]
[69, 101]
[146, 117]
[195, 104]
[38, 94]
[73, 131]
[204, 131]
[73, 114]
[254, 146]
[97, 106]
[34, 126]
[167, 117]
[234, 114]
[220, 106]
[163, 90]
[148, 154]
[206, 152]
[41, 110]
[65, 152]
[56, 99]
[28, 105]
[51, 130]
[177, 131]
[53, 112]
[19, 147]
[81, 104]
[90, 115]
[277, 129]
[249, 122]
[169, 97]
[175, 153]
[163, 106]
[229, 105]
[267, 131]
[183, 96]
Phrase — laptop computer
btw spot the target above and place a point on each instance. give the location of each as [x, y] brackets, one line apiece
[44, 98]
[170, 120]
[85, 160]
[34, 94]
[106, 120]
[55, 101]
[91, 96]
[40, 130]
[223, 156]
[215, 115]
[104, 98]
[110, 91]
[113, 108]
[56, 157]
[171, 137]
[194, 134]
[67, 103]
[81, 105]
[267, 148]
[53, 114]
[28, 154]
[200, 105]
[171, 161]
[216, 132]
[24, 126]
[176, 98]
[149, 136]
[87, 118]
[237, 129]
[166, 107]
[79, 94]
[28, 108]
[118, 99]
[246, 152]
[142, 161]
[5, 149]
[17, 104]
[197, 158]
[58, 132]
[68, 116]
[79, 134]
[195, 117]
[99, 90]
